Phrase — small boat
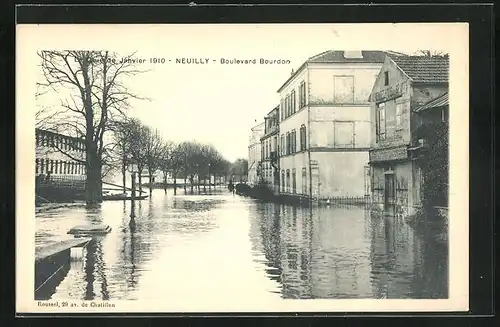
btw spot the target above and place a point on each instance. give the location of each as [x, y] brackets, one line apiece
[90, 230]
[117, 197]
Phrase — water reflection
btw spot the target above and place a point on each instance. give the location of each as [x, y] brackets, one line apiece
[200, 244]
[348, 253]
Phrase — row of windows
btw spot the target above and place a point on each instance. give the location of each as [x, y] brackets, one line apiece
[289, 181]
[288, 105]
[269, 145]
[44, 166]
[59, 142]
[289, 141]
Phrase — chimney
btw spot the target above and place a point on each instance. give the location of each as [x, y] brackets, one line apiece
[353, 54]
[293, 72]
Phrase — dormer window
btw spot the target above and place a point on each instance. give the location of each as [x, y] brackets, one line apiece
[386, 78]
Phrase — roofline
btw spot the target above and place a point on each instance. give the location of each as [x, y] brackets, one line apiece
[401, 69]
[419, 108]
[275, 108]
[308, 61]
[293, 75]
[432, 82]
[61, 135]
[258, 125]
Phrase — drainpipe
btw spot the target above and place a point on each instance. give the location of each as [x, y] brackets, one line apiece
[309, 133]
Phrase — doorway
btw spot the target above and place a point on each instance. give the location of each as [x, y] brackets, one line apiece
[389, 192]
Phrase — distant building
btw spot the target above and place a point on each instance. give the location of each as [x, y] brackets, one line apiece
[59, 167]
[325, 125]
[406, 89]
[59, 155]
[269, 147]
[254, 153]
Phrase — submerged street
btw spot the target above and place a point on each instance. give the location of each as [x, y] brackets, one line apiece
[222, 245]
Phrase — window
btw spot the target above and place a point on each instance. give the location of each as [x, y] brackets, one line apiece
[302, 94]
[400, 118]
[343, 89]
[293, 141]
[288, 180]
[386, 78]
[444, 115]
[304, 180]
[283, 181]
[287, 105]
[288, 143]
[380, 123]
[282, 109]
[399, 115]
[302, 138]
[282, 144]
[294, 182]
[293, 102]
[42, 166]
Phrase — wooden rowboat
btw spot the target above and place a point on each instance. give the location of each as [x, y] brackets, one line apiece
[118, 197]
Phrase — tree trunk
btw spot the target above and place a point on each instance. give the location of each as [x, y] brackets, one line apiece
[175, 184]
[140, 181]
[93, 183]
[191, 179]
[124, 175]
[165, 182]
[150, 176]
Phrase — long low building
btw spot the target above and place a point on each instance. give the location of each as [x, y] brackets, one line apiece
[59, 166]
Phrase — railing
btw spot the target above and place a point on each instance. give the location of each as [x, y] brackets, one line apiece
[71, 181]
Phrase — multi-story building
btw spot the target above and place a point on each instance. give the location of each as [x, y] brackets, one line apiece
[404, 84]
[59, 155]
[254, 154]
[269, 167]
[59, 166]
[325, 125]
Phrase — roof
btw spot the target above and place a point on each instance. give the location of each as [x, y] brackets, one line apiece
[424, 69]
[274, 111]
[337, 56]
[440, 101]
[45, 131]
[258, 126]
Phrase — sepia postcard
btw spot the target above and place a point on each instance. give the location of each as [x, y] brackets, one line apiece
[242, 168]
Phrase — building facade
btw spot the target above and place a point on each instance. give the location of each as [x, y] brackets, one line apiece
[254, 154]
[404, 84]
[59, 167]
[59, 155]
[325, 125]
[269, 167]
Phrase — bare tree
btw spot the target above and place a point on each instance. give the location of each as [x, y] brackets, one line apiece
[93, 95]
[138, 153]
[123, 132]
[153, 153]
[173, 162]
[430, 53]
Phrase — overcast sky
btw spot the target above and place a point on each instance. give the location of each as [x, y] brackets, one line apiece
[216, 103]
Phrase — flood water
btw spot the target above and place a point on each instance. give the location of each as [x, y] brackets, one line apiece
[224, 245]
